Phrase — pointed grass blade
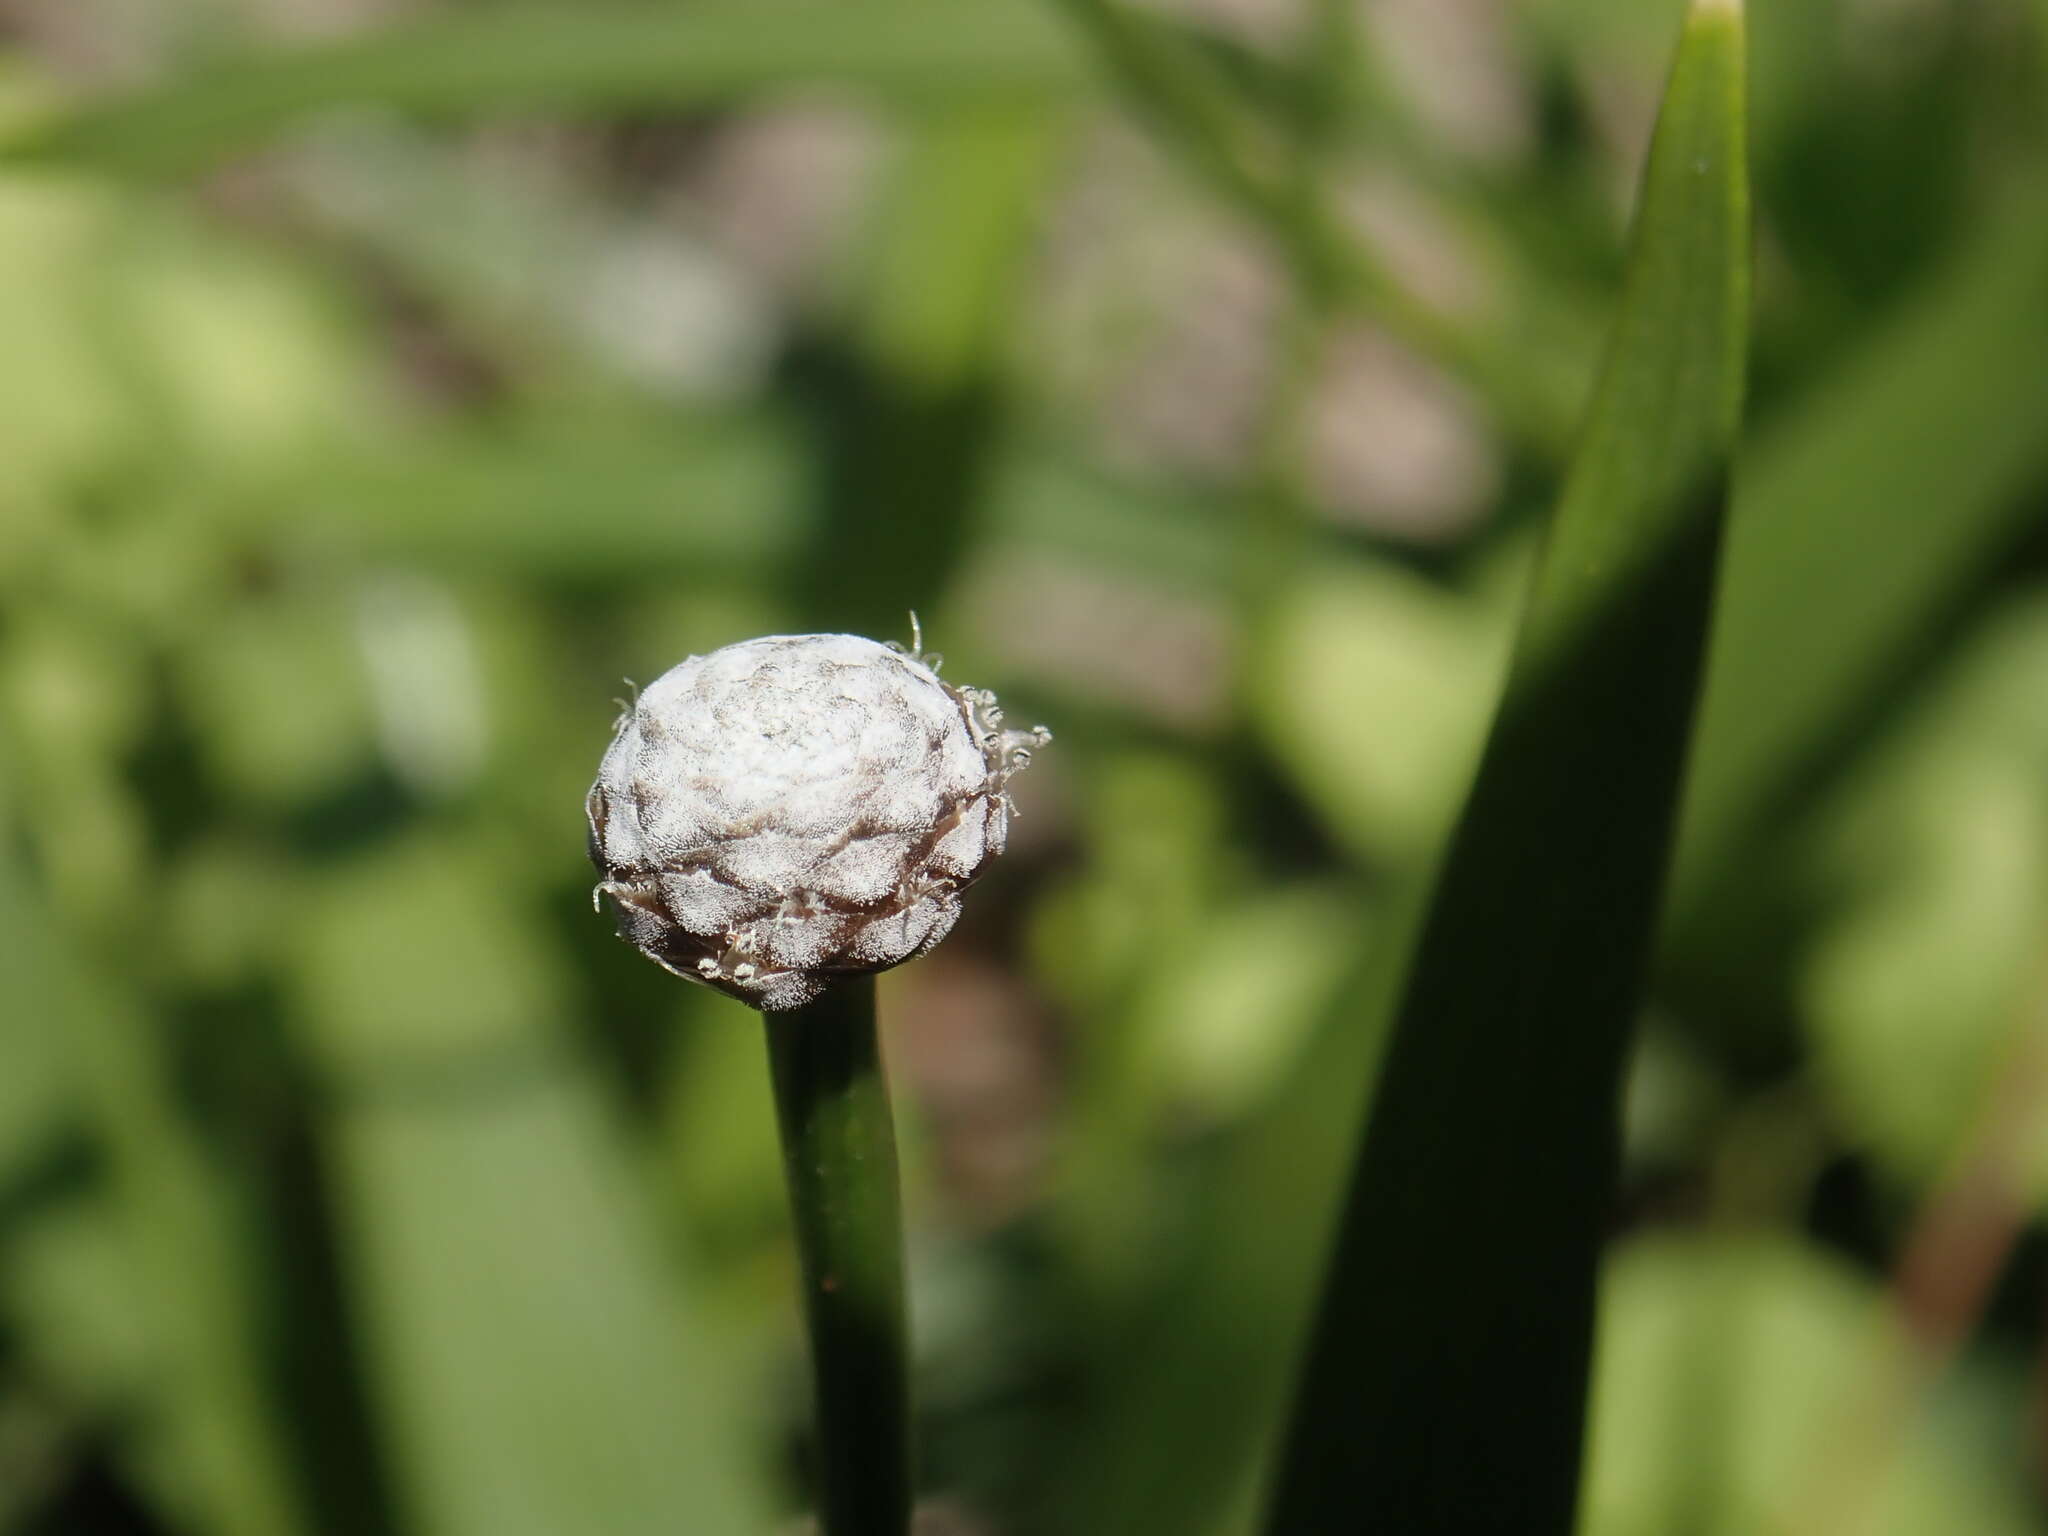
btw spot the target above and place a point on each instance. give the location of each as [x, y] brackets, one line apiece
[1444, 1388]
[1833, 570]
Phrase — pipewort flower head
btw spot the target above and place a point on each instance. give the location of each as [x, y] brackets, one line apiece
[796, 809]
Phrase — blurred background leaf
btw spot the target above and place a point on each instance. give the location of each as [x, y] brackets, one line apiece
[393, 380]
[506, 58]
[1728, 1367]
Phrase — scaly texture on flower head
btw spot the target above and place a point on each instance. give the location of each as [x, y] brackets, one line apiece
[794, 809]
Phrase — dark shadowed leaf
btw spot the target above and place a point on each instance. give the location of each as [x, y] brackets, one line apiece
[1445, 1383]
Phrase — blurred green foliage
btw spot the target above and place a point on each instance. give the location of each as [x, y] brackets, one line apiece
[386, 383]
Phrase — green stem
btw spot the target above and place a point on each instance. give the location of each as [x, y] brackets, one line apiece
[839, 1157]
[1190, 103]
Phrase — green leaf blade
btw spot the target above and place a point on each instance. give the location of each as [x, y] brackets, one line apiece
[1445, 1383]
[532, 59]
[531, 1355]
[1868, 508]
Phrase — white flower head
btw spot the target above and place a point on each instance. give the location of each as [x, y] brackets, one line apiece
[792, 810]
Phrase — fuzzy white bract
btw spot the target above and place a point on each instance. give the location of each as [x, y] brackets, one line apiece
[790, 810]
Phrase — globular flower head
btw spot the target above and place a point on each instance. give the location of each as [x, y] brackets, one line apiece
[795, 809]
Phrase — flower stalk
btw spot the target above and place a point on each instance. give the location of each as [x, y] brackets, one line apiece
[839, 1158]
[780, 820]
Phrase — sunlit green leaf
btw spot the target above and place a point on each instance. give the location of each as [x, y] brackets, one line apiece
[579, 499]
[532, 1354]
[1748, 1384]
[1923, 988]
[1356, 647]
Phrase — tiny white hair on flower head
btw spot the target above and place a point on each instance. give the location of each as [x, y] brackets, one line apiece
[788, 811]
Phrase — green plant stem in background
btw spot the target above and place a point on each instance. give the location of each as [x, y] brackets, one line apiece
[1445, 1384]
[839, 1156]
[1198, 118]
